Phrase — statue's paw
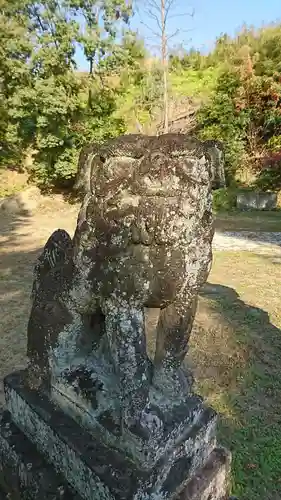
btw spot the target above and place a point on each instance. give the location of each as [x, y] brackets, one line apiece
[149, 424]
[173, 383]
[151, 421]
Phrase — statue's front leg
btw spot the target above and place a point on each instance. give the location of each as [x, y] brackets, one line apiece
[173, 333]
[125, 329]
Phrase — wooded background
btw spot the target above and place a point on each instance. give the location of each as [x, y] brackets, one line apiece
[49, 109]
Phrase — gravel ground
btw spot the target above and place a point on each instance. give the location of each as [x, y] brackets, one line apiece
[248, 241]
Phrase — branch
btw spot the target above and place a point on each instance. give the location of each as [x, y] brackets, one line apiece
[190, 14]
[36, 14]
[153, 4]
[152, 31]
[156, 18]
[173, 34]
[168, 7]
[177, 31]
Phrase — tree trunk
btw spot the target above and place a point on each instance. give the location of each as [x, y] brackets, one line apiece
[164, 68]
[90, 87]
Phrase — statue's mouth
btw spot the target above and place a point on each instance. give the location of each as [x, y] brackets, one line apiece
[153, 218]
[148, 236]
[159, 225]
[160, 192]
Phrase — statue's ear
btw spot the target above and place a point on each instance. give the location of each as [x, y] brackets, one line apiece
[96, 163]
[82, 181]
[214, 151]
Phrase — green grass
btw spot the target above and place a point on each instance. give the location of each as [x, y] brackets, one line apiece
[194, 83]
[251, 221]
[236, 349]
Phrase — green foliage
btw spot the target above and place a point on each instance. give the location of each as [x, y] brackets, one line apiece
[58, 149]
[192, 60]
[139, 98]
[49, 108]
[189, 82]
[45, 104]
[242, 107]
[245, 113]
[218, 120]
[269, 179]
[274, 143]
[149, 93]
[224, 199]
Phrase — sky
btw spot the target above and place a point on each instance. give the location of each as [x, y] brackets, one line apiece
[213, 17]
[210, 19]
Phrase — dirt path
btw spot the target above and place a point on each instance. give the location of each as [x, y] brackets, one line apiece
[21, 240]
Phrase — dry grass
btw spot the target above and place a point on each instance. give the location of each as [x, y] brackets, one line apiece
[11, 182]
[235, 348]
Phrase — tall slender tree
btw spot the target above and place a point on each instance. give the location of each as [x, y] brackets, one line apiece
[156, 17]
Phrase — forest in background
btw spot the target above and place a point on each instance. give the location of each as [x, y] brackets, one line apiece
[49, 109]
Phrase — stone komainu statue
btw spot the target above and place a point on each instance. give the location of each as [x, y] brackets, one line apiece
[143, 240]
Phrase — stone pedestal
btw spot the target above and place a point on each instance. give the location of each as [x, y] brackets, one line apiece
[44, 453]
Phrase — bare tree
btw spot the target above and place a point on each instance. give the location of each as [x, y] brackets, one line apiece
[164, 61]
[159, 13]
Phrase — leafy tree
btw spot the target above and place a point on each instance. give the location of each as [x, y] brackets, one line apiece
[15, 49]
[218, 119]
[50, 107]
[244, 112]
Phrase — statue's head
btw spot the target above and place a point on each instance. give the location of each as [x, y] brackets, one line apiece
[151, 200]
[170, 166]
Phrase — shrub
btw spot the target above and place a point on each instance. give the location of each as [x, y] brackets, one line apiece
[269, 174]
[224, 199]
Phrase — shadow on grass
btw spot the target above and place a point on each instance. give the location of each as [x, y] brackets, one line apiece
[272, 259]
[8, 227]
[241, 377]
[16, 276]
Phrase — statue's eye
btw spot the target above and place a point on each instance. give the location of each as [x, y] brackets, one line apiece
[156, 158]
[102, 159]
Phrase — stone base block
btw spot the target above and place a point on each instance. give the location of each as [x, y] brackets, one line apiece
[211, 482]
[98, 472]
[24, 474]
